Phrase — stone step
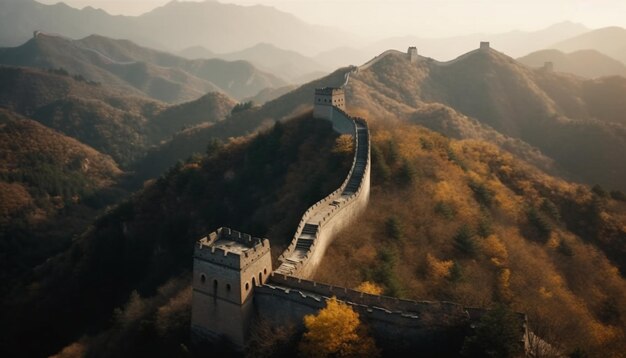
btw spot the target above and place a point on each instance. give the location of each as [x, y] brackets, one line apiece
[309, 229]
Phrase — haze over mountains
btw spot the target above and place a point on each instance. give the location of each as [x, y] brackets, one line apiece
[610, 41]
[188, 24]
[126, 66]
[246, 30]
[584, 63]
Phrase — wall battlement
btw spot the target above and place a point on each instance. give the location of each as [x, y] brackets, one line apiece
[231, 248]
[443, 309]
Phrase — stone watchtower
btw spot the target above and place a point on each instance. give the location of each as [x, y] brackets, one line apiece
[330, 104]
[412, 52]
[485, 46]
[227, 266]
[325, 99]
[548, 66]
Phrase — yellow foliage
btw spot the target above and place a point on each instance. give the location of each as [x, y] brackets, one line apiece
[554, 240]
[438, 269]
[495, 249]
[370, 287]
[334, 331]
[344, 144]
[602, 333]
[504, 283]
[545, 293]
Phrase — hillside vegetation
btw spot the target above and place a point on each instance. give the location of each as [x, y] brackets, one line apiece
[260, 185]
[464, 221]
[50, 187]
[121, 126]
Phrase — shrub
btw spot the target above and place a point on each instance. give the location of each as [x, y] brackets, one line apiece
[446, 210]
[618, 195]
[599, 191]
[464, 241]
[407, 173]
[393, 228]
[483, 195]
[370, 287]
[550, 209]
[539, 222]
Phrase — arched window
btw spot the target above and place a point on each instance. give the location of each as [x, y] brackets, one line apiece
[265, 271]
[228, 287]
[202, 278]
[253, 282]
[260, 278]
[214, 285]
[247, 286]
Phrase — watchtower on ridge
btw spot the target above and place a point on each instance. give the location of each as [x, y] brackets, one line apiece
[326, 98]
[548, 66]
[412, 52]
[227, 266]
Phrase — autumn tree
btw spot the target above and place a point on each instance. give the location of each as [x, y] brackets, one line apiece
[370, 287]
[336, 331]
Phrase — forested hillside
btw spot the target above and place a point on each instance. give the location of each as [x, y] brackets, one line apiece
[260, 185]
[463, 221]
[50, 187]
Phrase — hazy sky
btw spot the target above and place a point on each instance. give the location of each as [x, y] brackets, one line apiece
[426, 18]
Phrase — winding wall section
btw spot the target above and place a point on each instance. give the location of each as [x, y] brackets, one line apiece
[322, 221]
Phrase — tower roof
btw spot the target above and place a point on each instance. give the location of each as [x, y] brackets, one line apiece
[329, 91]
[231, 248]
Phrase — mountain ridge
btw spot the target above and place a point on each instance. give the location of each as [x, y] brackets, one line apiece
[138, 70]
[584, 63]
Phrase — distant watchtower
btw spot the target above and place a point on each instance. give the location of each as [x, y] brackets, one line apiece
[412, 52]
[330, 104]
[326, 98]
[485, 46]
[548, 66]
[227, 265]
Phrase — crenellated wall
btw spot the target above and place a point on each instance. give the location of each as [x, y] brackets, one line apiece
[322, 221]
[399, 326]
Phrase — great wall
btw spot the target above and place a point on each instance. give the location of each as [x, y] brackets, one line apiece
[234, 284]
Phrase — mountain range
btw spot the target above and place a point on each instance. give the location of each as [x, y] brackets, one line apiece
[210, 24]
[215, 30]
[610, 41]
[123, 65]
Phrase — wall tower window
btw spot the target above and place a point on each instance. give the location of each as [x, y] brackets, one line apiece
[202, 278]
